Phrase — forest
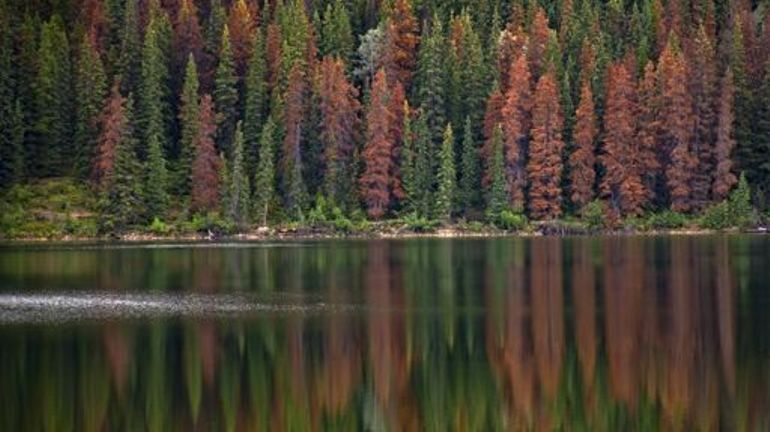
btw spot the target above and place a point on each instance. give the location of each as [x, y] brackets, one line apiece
[245, 113]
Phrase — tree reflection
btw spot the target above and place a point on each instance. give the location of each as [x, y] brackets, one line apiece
[617, 333]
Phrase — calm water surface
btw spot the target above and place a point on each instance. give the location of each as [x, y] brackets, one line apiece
[616, 334]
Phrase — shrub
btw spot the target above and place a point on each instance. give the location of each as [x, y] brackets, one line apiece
[717, 217]
[667, 219]
[509, 220]
[159, 227]
[741, 212]
[417, 223]
[593, 215]
[340, 222]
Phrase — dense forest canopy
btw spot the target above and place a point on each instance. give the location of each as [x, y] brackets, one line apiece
[258, 110]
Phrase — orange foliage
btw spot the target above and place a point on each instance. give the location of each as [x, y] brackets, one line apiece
[583, 158]
[516, 124]
[402, 38]
[205, 168]
[113, 127]
[378, 150]
[724, 179]
[242, 22]
[545, 162]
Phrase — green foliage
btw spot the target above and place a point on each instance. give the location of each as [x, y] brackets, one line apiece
[336, 34]
[188, 117]
[55, 104]
[239, 193]
[153, 115]
[470, 182]
[225, 94]
[156, 180]
[264, 178]
[48, 209]
[741, 212]
[432, 77]
[508, 219]
[209, 223]
[497, 200]
[159, 227]
[442, 209]
[423, 171]
[255, 103]
[717, 217]
[667, 220]
[90, 92]
[419, 224]
[593, 215]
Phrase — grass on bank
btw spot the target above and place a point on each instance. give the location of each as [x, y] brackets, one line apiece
[65, 208]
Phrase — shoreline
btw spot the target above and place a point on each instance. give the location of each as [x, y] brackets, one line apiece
[279, 234]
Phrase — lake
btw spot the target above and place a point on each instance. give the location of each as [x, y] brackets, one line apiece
[602, 333]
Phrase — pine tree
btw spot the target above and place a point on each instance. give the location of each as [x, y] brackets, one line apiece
[516, 128]
[205, 162]
[648, 131]
[264, 180]
[54, 100]
[475, 76]
[336, 34]
[113, 127]
[225, 95]
[406, 161]
[724, 179]
[497, 196]
[583, 157]
[121, 199]
[256, 101]
[339, 109]
[493, 117]
[423, 167]
[762, 130]
[11, 114]
[431, 85]
[676, 125]
[239, 194]
[90, 92]
[470, 181]
[241, 24]
[536, 48]
[377, 152]
[213, 42]
[398, 109]
[188, 39]
[545, 166]
[402, 39]
[156, 180]
[190, 118]
[746, 157]
[445, 178]
[131, 48]
[295, 190]
[153, 90]
[702, 89]
[621, 184]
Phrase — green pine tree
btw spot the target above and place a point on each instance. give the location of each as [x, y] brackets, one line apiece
[264, 179]
[11, 152]
[90, 93]
[432, 81]
[406, 163]
[336, 34]
[256, 100]
[446, 178]
[129, 63]
[153, 90]
[188, 117]
[423, 172]
[239, 193]
[475, 76]
[122, 200]
[469, 176]
[55, 120]
[739, 203]
[226, 95]
[497, 198]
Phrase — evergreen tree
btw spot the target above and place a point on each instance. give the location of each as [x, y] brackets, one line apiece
[292, 158]
[545, 166]
[189, 117]
[431, 85]
[377, 152]
[423, 167]
[497, 196]
[583, 157]
[517, 122]
[446, 178]
[11, 151]
[225, 95]
[241, 26]
[90, 92]
[156, 180]
[474, 76]
[121, 198]
[205, 162]
[239, 193]
[336, 34]
[131, 48]
[470, 181]
[54, 101]
[264, 180]
[153, 90]
[401, 41]
[407, 161]
[213, 43]
[724, 179]
[256, 100]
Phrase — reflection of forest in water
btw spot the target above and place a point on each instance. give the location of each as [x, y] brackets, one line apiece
[578, 334]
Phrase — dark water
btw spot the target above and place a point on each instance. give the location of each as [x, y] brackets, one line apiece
[578, 334]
